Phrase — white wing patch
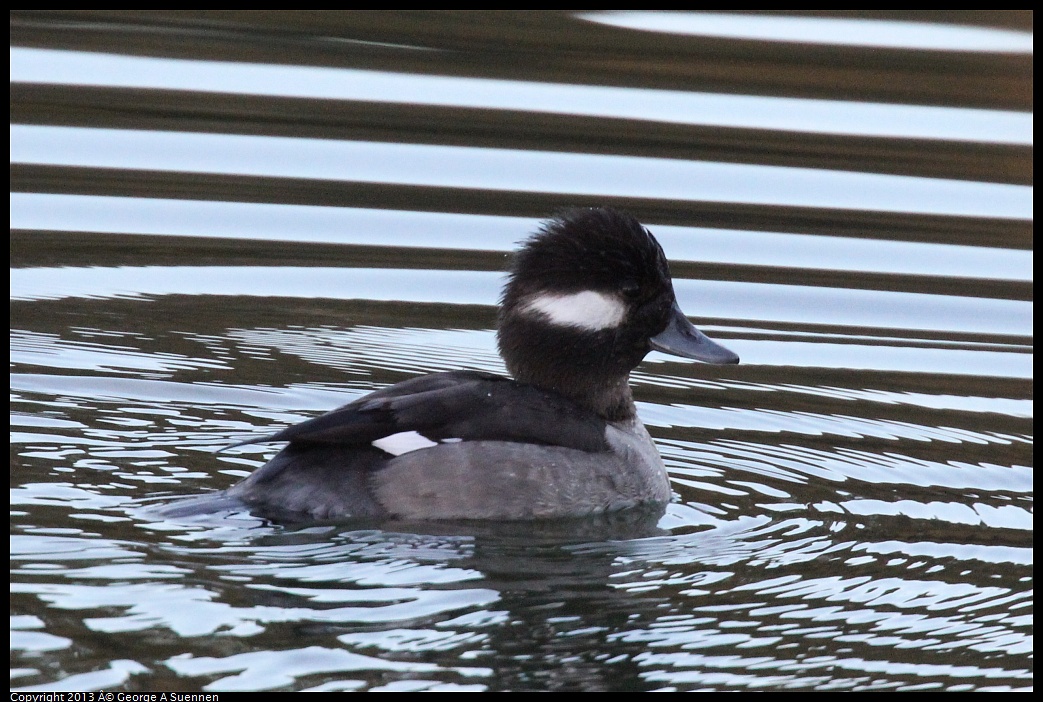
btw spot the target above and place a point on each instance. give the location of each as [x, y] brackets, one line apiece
[403, 442]
[586, 310]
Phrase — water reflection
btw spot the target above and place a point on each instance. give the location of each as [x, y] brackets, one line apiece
[668, 106]
[368, 227]
[515, 171]
[823, 30]
[669, 609]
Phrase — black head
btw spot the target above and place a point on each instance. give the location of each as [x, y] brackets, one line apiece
[590, 249]
[585, 298]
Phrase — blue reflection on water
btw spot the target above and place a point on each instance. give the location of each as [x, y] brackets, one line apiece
[451, 231]
[519, 171]
[669, 106]
[934, 36]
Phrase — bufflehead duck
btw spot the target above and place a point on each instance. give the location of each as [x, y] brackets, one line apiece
[587, 297]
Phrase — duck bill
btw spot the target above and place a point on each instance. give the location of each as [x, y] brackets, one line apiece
[681, 338]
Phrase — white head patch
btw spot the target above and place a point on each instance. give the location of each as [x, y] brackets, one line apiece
[586, 310]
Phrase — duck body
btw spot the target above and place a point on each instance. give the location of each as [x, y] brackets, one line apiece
[494, 449]
[588, 296]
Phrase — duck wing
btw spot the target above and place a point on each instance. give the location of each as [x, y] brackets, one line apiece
[458, 405]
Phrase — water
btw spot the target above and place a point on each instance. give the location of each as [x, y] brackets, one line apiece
[224, 223]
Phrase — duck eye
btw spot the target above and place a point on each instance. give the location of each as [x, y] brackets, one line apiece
[631, 290]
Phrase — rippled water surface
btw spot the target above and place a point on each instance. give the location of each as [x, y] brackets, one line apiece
[225, 222]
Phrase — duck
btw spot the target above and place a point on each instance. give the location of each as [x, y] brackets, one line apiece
[587, 297]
